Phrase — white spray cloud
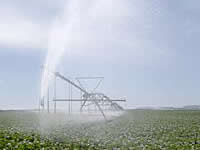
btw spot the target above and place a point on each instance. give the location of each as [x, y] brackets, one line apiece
[59, 38]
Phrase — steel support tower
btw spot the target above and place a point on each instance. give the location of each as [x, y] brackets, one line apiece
[88, 98]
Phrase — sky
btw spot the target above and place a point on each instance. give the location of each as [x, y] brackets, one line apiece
[147, 50]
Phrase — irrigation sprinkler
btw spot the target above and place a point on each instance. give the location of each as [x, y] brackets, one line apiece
[87, 98]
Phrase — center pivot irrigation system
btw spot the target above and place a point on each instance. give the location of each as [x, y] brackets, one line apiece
[100, 101]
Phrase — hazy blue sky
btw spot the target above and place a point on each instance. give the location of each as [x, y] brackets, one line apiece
[147, 50]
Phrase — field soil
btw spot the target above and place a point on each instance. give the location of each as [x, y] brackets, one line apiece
[135, 129]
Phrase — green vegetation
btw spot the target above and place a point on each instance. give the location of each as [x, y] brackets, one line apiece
[135, 129]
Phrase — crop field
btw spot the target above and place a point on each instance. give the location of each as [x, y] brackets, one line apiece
[135, 129]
